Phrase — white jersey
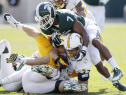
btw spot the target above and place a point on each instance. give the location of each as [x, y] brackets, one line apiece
[75, 67]
[72, 6]
[82, 66]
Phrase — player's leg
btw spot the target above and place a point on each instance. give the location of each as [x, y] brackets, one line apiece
[14, 79]
[5, 51]
[96, 60]
[35, 83]
[107, 55]
[95, 37]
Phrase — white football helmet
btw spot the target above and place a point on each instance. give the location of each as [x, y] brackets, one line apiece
[73, 40]
[45, 15]
[59, 6]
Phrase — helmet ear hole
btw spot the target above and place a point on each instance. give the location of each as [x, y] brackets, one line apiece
[59, 6]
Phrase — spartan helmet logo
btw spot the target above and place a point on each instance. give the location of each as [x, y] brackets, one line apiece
[48, 7]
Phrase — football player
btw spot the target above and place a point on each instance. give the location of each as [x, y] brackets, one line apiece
[12, 80]
[73, 5]
[44, 48]
[7, 69]
[52, 21]
[82, 67]
[97, 8]
[79, 6]
[64, 22]
[35, 83]
[38, 61]
[72, 50]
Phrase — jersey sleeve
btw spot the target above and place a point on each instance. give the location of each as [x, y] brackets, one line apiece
[48, 31]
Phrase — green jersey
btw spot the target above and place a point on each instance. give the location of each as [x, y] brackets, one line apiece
[66, 20]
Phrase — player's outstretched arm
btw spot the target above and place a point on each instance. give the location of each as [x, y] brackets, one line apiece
[30, 31]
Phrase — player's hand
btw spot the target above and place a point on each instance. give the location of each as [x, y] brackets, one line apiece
[61, 63]
[81, 54]
[9, 18]
[12, 58]
[56, 41]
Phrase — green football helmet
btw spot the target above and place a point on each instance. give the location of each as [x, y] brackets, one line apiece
[45, 15]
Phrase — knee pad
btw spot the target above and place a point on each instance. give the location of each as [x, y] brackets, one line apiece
[83, 77]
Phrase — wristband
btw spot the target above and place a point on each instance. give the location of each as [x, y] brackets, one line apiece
[20, 26]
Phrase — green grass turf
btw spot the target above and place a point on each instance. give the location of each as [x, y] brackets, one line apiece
[114, 36]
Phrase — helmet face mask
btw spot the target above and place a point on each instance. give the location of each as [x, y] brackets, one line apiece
[45, 15]
[73, 41]
[59, 5]
[74, 55]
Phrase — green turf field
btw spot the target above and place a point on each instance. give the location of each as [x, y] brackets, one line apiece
[114, 36]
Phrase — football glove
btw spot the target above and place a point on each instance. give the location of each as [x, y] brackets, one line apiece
[12, 58]
[15, 24]
[81, 54]
[61, 64]
[56, 41]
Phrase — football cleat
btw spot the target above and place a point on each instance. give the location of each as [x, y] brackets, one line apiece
[12, 58]
[117, 74]
[43, 69]
[119, 86]
[9, 18]
[75, 87]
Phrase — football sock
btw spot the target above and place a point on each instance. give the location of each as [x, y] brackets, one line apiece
[112, 62]
[110, 78]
